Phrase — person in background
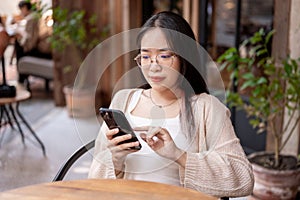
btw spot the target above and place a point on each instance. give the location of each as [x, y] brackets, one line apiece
[186, 134]
[28, 42]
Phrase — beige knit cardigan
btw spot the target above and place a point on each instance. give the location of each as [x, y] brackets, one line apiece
[219, 167]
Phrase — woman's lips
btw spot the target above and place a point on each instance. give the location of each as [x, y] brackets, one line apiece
[156, 79]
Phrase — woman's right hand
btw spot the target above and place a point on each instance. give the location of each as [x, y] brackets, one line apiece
[119, 151]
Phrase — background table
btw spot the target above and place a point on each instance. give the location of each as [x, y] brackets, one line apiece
[108, 189]
[13, 115]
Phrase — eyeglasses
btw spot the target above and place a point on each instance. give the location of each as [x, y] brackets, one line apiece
[162, 59]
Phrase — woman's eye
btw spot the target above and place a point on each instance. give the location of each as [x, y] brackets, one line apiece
[145, 57]
[165, 56]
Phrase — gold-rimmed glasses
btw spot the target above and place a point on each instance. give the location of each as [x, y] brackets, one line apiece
[162, 59]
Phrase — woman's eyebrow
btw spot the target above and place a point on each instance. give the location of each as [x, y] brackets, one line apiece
[164, 49]
[149, 49]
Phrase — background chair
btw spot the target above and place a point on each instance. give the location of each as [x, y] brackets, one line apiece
[68, 164]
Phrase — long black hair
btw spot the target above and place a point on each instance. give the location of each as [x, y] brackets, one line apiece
[25, 3]
[181, 39]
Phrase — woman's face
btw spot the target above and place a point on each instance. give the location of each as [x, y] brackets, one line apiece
[24, 11]
[159, 75]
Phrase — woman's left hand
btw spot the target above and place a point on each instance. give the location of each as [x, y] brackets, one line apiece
[160, 141]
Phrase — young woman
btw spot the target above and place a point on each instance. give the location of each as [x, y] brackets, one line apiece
[186, 134]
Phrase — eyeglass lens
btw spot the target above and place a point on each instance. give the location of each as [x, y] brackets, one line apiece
[164, 60]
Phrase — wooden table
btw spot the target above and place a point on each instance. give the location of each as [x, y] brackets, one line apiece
[13, 114]
[21, 95]
[108, 189]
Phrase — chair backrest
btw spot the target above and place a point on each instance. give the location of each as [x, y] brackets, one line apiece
[70, 161]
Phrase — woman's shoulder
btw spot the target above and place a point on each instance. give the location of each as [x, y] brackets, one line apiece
[120, 97]
[204, 97]
[123, 93]
[208, 101]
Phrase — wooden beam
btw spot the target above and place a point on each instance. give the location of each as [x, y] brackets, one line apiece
[286, 42]
[187, 10]
[294, 39]
[293, 145]
[195, 18]
[213, 31]
[280, 44]
[280, 49]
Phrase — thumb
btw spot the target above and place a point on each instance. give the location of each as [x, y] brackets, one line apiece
[143, 136]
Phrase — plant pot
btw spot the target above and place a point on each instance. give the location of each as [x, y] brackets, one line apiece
[80, 102]
[271, 184]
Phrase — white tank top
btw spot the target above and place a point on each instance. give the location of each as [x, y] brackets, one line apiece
[146, 164]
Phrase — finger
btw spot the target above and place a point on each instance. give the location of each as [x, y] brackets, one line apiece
[111, 133]
[162, 134]
[127, 146]
[143, 136]
[153, 131]
[148, 140]
[121, 138]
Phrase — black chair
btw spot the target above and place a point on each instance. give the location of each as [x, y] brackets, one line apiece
[68, 164]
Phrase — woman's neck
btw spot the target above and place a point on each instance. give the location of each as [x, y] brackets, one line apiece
[163, 97]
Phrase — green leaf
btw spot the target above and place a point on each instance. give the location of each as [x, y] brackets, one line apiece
[262, 52]
[229, 53]
[223, 66]
[254, 122]
[256, 48]
[244, 60]
[249, 83]
[287, 67]
[269, 36]
[262, 80]
[261, 31]
[248, 76]
[256, 91]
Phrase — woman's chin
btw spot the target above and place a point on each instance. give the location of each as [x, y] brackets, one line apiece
[159, 87]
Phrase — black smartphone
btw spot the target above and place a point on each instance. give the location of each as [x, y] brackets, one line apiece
[116, 119]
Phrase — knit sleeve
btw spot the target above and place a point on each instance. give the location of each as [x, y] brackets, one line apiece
[223, 168]
[102, 164]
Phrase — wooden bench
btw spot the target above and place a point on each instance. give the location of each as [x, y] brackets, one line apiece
[39, 67]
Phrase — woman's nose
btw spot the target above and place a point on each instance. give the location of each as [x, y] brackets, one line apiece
[154, 66]
[153, 60]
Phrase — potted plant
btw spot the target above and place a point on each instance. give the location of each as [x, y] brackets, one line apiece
[74, 31]
[273, 90]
